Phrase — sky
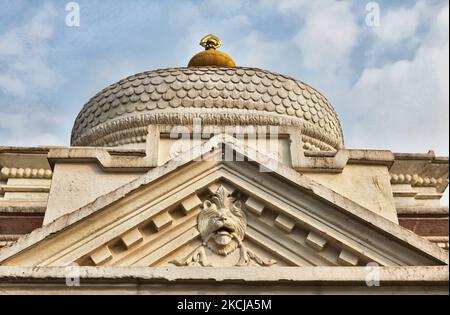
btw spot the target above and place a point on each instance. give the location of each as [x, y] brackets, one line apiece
[384, 65]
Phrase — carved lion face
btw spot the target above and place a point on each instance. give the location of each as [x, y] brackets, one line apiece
[222, 223]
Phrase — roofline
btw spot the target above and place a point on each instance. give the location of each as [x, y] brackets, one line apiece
[328, 195]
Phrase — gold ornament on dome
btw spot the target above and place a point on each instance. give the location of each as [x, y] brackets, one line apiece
[210, 42]
[211, 57]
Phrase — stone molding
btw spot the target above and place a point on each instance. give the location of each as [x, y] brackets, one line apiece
[133, 129]
[420, 170]
[231, 280]
[418, 181]
[111, 159]
[421, 210]
[13, 172]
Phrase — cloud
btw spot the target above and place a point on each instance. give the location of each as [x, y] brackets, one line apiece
[403, 105]
[254, 49]
[399, 24]
[12, 85]
[286, 7]
[23, 52]
[24, 78]
[328, 35]
[26, 126]
[320, 38]
[324, 34]
[10, 44]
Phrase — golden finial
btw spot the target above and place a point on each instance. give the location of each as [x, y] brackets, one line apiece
[211, 57]
[210, 41]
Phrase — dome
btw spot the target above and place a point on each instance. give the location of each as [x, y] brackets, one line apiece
[211, 57]
[119, 114]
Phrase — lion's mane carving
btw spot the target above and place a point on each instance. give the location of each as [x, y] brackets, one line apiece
[222, 224]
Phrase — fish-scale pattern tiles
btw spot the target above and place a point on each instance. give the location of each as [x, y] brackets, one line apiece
[209, 87]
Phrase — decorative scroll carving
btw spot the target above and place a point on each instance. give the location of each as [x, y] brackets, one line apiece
[222, 224]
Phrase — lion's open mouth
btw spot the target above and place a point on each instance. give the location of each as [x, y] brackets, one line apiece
[225, 230]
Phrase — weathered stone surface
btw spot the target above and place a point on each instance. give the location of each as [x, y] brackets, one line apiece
[315, 240]
[248, 280]
[74, 186]
[376, 194]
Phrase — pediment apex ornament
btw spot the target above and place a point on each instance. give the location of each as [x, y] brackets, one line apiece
[222, 224]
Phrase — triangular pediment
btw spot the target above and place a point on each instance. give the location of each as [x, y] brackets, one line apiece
[154, 221]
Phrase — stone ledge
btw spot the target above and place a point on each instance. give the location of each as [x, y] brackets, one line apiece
[317, 274]
[23, 204]
[30, 150]
[22, 209]
[9, 237]
[418, 210]
[420, 169]
[241, 280]
[107, 158]
[429, 156]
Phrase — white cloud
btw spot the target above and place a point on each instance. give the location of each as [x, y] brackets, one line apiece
[287, 7]
[25, 72]
[10, 44]
[328, 36]
[398, 24]
[327, 32]
[403, 105]
[256, 50]
[11, 85]
[24, 51]
[325, 35]
[27, 126]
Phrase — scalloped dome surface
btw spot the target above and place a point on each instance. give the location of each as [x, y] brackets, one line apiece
[120, 113]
